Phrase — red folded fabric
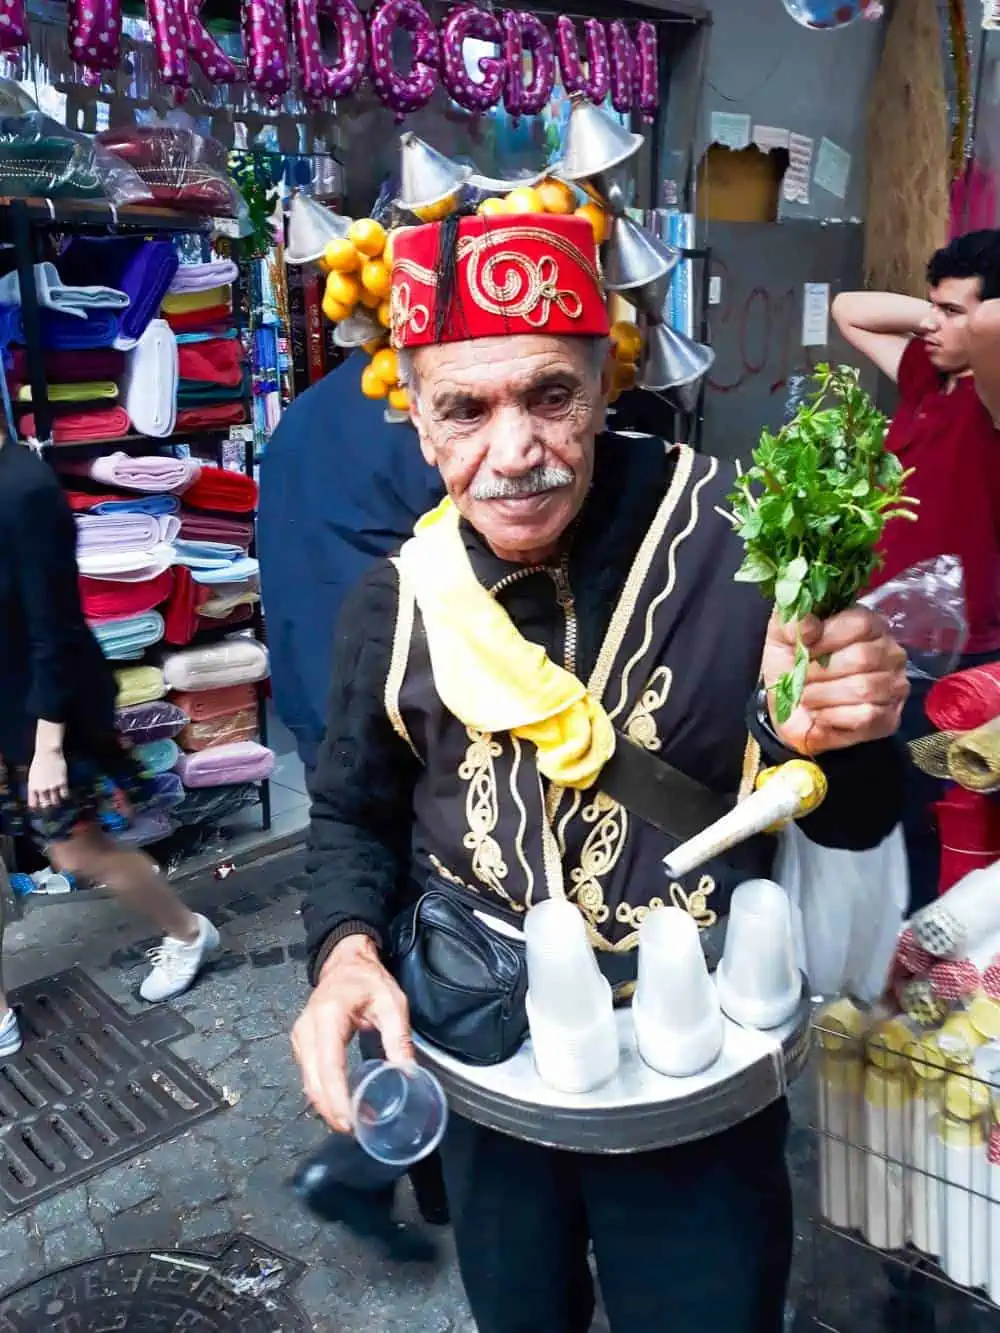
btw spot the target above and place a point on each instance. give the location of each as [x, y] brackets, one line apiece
[110, 423]
[210, 416]
[969, 830]
[180, 615]
[209, 528]
[71, 367]
[219, 361]
[221, 488]
[966, 700]
[202, 705]
[197, 321]
[103, 599]
[80, 502]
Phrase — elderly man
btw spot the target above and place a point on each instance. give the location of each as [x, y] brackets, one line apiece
[463, 752]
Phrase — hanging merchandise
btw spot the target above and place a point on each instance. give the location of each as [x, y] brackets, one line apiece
[95, 31]
[205, 51]
[320, 80]
[526, 34]
[265, 39]
[476, 95]
[595, 82]
[827, 14]
[13, 25]
[403, 93]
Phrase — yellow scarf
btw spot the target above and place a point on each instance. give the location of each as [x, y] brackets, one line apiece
[486, 673]
[183, 303]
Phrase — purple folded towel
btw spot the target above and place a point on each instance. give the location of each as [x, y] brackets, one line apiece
[123, 532]
[242, 761]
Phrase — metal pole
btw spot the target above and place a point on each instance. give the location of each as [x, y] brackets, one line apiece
[24, 253]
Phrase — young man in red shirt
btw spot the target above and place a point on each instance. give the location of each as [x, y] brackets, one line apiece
[944, 354]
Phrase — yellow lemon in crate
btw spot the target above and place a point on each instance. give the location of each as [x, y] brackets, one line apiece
[368, 237]
[556, 196]
[599, 220]
[335, 311]
[626, 341]
[341, 257]
[376, 278]
[525, 199]
[384, 315]
[343, 288]
[386, 366]
[492, 207]
[371, 385]
[441, 208]
[399, 399]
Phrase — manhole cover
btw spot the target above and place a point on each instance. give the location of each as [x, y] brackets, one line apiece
[234, 1286]
[90, 1087]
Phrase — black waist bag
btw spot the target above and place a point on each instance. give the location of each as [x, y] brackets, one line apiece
[466, 984]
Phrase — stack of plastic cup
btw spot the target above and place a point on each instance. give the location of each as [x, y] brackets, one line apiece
[678, 1022]
[571, 1016]
[758, 979]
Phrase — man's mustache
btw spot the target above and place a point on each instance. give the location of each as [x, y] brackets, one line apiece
[536, 482]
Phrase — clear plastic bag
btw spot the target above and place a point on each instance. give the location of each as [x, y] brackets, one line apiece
[181, 168]
[925, 609]
[39, 158]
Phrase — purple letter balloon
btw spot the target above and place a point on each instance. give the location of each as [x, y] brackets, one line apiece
[476, 95]
[320, 81]
[596, 82]
[526, 32]
[403, 93]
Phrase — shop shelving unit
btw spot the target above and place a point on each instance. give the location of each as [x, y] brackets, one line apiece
[24, 225]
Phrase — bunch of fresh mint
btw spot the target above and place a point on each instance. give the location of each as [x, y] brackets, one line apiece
[812, 508]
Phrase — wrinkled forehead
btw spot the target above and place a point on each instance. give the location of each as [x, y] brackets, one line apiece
[496, 369]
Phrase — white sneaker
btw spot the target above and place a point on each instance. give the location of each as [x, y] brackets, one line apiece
[10, 1034]
[176, 964]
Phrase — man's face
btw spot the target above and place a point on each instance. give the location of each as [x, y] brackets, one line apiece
[510, 424]
[946, 328]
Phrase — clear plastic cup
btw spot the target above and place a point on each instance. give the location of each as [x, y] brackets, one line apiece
[564, 980]
[758, 979]
[678, 1021]
[398, 1112]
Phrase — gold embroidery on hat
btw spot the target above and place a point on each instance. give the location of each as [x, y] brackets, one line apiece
[405, 317]
[529, 288]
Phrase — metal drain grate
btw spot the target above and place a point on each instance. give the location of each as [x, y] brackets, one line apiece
[91, 1086]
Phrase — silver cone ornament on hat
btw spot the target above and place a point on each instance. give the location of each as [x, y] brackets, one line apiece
[427, 177]
[631, 257]
[356, 330]
[673, 361]
[311, 228]
[594, 143]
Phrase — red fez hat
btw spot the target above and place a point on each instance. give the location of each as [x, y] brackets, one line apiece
[523, 273]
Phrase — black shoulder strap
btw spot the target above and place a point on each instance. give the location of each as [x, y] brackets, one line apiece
[659, 794]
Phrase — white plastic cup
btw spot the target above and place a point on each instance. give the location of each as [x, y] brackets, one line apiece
[565, 984]
[398, 1112]
[678, 1021]
[575, 1059]
[758, 979]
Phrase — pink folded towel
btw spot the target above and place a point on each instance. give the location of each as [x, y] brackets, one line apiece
[155, 475]
[222, 765]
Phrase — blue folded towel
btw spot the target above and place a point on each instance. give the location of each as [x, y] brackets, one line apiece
[206, 555]
[183, 338]
[158, 506]
[126, 640]
[237, 571]
[157, 756]
[60, 331]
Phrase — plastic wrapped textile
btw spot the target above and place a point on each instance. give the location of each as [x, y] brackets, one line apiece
[149, 827]
[224, 765]
[241, 726]
[966, 700]
[144, 723]
[237, 661]
[179, 168]
[167, 792]
[925, 608]
[157, 756]
[205, 705]
[42, 159]
[213, 805]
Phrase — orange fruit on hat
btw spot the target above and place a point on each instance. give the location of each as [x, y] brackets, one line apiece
[599, 220]
[334, 310]
[556, 196]
[441, 208]
[492, 207]
[626, 340]
[374, 345]
[343, 288]
[399, 399]
[371, 385]
[376, 278]
[341, 257]
[370, 300]
[525, 199]
[626, 376]
[390, 240]
[368, 237]
[385, 364]
[384, 315]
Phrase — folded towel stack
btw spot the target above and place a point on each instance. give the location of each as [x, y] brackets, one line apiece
[127, 639]
[216, 688]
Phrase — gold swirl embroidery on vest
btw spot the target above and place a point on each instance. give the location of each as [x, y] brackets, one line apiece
[482, 810]
[449, 875]
[641, 726]
[529, 288]
[601, 850]
[694, 903]
[403, 315]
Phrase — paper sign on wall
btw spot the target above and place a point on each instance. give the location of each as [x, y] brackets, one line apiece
[991, 14]
[833, 168]
[800, 154]
[816, 314]
[730, 130]
[769, 137]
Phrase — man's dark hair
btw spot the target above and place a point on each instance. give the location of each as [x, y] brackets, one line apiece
[975, 255]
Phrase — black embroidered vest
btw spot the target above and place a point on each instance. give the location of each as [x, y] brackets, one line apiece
[679, 662]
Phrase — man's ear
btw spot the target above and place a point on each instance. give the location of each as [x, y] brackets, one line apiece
[420, 426]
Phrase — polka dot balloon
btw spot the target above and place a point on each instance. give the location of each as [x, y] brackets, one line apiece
[13, 25]
[265, 37]
[321, 81]
[595, 83]
[476, 95]
[206, 52]
[169, 38]
[825, 14]
[95, 35]
[403, 93]
[524, 32]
